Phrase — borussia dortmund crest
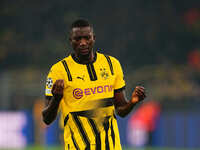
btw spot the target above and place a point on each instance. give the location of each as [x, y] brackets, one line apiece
[104, 73]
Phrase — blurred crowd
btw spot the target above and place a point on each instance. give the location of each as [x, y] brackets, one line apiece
[157, 43]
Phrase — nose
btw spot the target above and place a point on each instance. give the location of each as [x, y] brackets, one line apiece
[83, 42]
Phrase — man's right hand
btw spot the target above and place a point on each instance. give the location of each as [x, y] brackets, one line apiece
[57, 89]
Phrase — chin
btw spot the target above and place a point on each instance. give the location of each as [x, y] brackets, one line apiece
[83, 55]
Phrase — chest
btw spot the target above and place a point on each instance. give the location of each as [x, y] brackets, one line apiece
[89, 75]
[87, 83]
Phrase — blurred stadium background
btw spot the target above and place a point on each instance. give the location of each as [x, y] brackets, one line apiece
[157, 42]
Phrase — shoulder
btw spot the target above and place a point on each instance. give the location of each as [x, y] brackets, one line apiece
[59, 65]
[112, 58]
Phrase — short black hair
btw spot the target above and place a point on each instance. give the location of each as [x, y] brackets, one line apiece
[81, 23]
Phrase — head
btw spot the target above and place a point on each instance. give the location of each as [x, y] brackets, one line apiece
[82, 38]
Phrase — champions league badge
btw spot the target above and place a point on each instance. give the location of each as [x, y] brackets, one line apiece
[49, 83]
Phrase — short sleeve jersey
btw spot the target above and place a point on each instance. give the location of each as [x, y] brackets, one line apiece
[88, 101]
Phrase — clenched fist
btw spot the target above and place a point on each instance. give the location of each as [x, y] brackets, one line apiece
[138, 94]
[57, 89]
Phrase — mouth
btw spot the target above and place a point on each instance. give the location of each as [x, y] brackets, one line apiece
[84, 50]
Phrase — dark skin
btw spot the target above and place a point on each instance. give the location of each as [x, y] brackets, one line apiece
[82, 40]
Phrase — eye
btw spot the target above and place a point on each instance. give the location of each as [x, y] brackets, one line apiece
[87, 37]
[77, 38]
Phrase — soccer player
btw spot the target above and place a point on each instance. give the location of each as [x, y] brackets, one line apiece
[88, 88]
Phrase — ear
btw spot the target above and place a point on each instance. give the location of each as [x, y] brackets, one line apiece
[94, 37]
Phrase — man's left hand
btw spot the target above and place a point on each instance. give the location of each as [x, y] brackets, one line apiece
[138, 94]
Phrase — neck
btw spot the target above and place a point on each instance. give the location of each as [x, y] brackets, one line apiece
[84, 59]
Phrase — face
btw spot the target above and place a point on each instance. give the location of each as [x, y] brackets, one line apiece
[82, 40]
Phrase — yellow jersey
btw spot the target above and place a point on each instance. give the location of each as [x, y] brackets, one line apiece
[87, 104]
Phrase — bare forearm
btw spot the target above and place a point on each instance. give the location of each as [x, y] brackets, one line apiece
[125, 109]
[50, 112]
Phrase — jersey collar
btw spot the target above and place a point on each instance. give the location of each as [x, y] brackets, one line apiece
[77, 60]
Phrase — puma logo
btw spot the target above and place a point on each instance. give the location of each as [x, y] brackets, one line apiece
[82, 78]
